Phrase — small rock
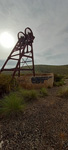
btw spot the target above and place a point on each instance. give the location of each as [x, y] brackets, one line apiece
[1, 144]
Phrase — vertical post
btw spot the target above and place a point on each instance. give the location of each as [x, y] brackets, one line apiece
[32, 59]
[19, 64]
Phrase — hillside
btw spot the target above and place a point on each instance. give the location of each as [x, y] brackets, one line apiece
[49, 68]
[63, 69]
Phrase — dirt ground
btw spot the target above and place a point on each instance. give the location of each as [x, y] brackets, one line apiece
[42, 126]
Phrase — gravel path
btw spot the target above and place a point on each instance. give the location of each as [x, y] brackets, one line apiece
[43, 126]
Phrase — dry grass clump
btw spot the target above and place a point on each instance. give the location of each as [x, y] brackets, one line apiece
[43, 92]
[63, 92]
[11, 104]
[7, 84]
[15, 102]
[28, 95]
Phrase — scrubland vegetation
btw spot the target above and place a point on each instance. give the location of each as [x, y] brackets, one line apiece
[58, 80]
[43, 92]
[61, 70]
[26, 115]
[7, 84]
[42, 69]
[11, 104]
[63, 92]
[15, 99]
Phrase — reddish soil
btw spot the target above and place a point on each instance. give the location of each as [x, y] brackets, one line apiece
[43, 125]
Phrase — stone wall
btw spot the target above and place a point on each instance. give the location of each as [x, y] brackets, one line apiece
[39, 81]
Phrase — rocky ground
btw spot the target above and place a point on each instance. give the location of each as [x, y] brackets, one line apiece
[42, 126]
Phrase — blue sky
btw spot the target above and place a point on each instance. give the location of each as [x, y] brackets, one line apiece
[49, 21]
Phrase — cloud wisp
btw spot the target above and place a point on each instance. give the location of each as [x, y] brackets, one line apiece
[47, 19]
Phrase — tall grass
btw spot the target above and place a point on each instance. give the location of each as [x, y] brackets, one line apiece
[16, 102]
[7, 84]
[28, 95]
[11, 104]
[43, 92]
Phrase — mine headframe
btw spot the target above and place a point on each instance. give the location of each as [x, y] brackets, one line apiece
[22, 54]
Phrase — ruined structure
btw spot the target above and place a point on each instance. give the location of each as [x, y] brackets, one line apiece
[22, 54]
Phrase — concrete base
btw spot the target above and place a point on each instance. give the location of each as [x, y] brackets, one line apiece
[37, 81]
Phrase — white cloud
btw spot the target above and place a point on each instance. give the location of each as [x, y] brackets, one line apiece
[49, 21]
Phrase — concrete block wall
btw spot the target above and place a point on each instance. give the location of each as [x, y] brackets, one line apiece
[37, 81]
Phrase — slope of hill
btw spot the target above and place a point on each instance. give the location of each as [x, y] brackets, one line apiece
[63, 69]
[54, 69]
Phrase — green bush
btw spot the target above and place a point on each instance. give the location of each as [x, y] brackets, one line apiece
[59, 83]
[11, 104]
[7, 84]
[43, 92]
[58, 77]
[58, 80]
[63, 93]
[28, 95]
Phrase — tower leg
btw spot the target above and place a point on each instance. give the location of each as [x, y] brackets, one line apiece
[33, 60]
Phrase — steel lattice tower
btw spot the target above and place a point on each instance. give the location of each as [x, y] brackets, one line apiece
[22, 54]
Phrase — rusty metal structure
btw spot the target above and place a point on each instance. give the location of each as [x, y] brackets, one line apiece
[22, 54]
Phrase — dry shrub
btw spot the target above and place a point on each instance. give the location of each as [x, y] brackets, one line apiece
[43, 92]
[7, 84]
[28, 95]
[58, 80]
[63, 92]
[11, 104]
